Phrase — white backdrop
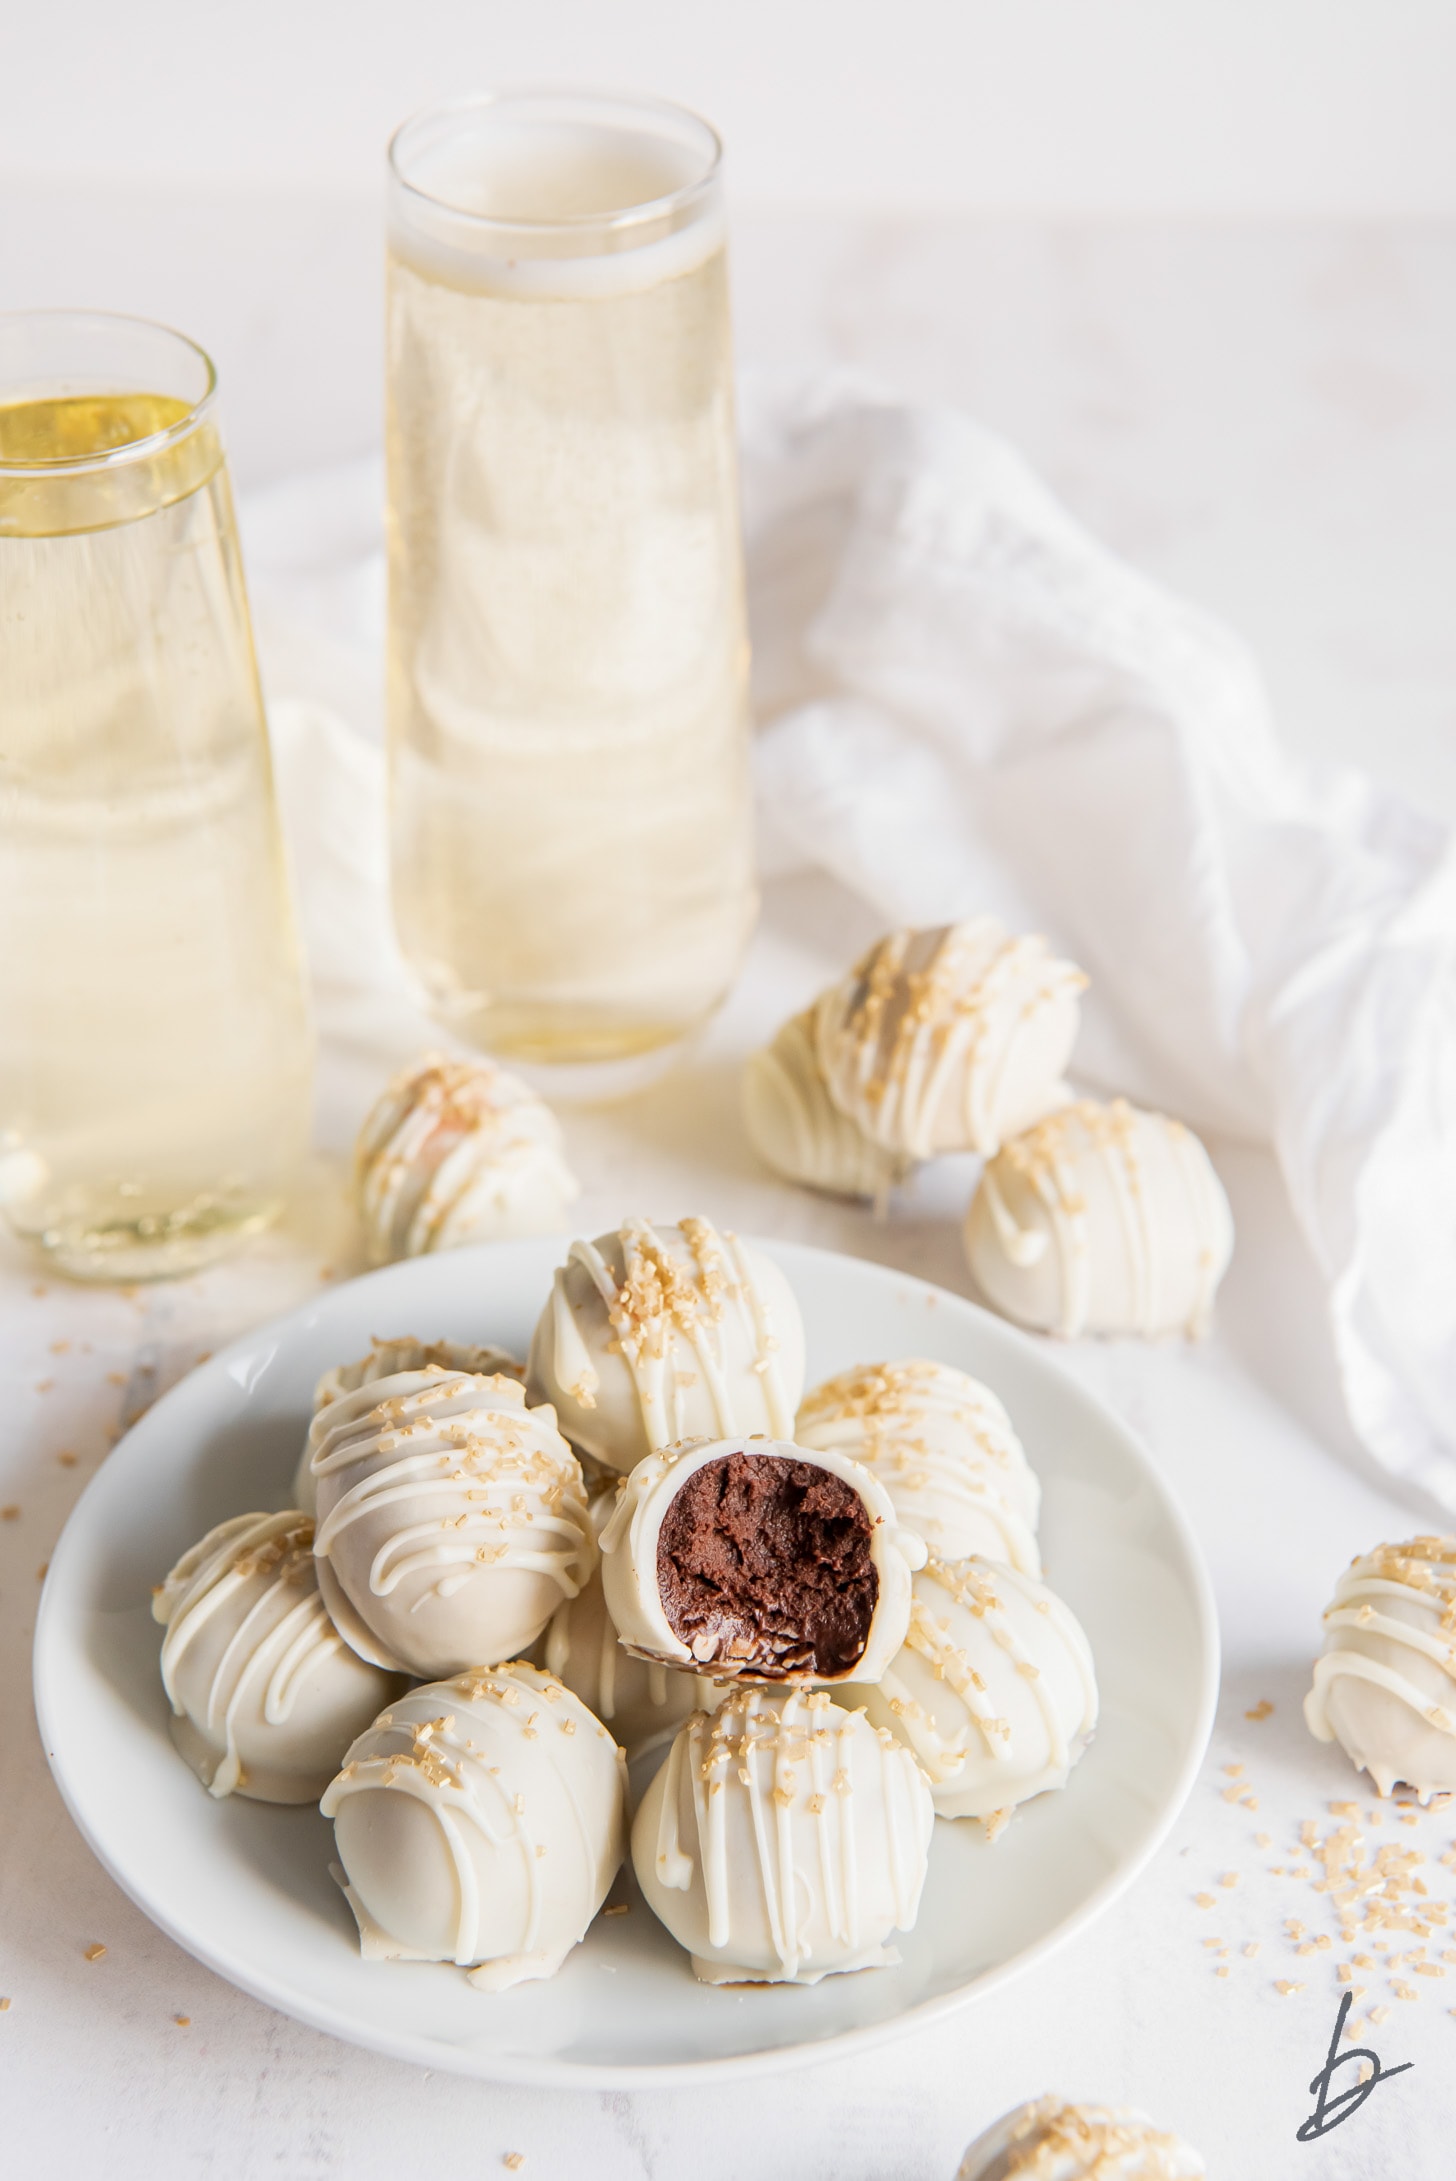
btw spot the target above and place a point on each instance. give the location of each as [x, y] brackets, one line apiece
[1046, 106]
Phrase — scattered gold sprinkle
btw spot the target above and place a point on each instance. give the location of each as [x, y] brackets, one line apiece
[1229, 1878]
[1262, 1710]
[514, 2161]
[1203, 1900]
[1251, 1949]
[183, 2021]
[1286, 1987]
[95, 1951]
[9, 1514]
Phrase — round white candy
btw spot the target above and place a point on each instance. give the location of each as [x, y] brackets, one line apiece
[640, 1702]
[1101, 1219]
[950, 1039]
[796, 1128]
[783, 1840]
[389, 1359]
[1049, 2140]
[659, 1333]
[1385, 1686]
[265, 1695]
[456, 1152]
[755, 1620]
[943, 1447]
[481, 1821]
[452, 1520]
[994, 1690]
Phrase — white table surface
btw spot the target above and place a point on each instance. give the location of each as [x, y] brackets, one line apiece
[1264, 415]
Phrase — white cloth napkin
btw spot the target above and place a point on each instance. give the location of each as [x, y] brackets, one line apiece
[967, 703]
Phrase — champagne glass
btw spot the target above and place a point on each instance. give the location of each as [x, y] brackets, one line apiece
[568, 654]
[156, 1057]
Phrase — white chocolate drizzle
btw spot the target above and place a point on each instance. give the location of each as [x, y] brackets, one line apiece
[666, 1319]
[925, 1013]
[492, 1467]
[799, 1131]
[440, 1763]
[1419, 1574]
[792, 1757]
[455, 1149]
[1047, 1158]
[977, 1586]
[268, 1554]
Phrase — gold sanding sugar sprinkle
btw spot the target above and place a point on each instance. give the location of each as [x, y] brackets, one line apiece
[1262, 1710]
[1203, 1900]
[618, 1908]
[514, 2161]
[183, 2021]
[1221, 1972]
[1251, 1949]
[95, 1952]
[1286, 1987]
[1229, 1878]
[4, 2006]
[9, 1514]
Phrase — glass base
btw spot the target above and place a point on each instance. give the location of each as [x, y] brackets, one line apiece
[573, 1058]
[599, 1082]
[152, 1246]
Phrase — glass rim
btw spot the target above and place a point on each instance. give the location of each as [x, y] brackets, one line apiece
[480, 102]
[130, 450]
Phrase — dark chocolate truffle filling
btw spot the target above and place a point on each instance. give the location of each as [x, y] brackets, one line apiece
[764, 1568]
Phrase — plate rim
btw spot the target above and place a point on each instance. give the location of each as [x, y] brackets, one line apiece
[532, 2071]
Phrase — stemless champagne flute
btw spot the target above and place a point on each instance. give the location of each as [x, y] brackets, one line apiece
[568, 656]
[155, 1049]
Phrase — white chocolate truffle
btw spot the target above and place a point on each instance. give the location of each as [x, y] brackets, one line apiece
[1049, 2140]
[387, 1359]
[784, 1839]
[480, 1820]
[458, 1151]
[659, 1333]
[943, 1447]
[265, 1695]
[994, 1691]
[640, 1702]
[796, 1128]
[948, 1040]
[761, 1560]
[1385, 1686]
[1101, 1219]
[452, 1520]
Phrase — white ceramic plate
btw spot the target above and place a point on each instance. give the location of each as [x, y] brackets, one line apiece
[245, 1887]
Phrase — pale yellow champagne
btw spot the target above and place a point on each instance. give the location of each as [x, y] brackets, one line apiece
[154, 1045]
[572, 861]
